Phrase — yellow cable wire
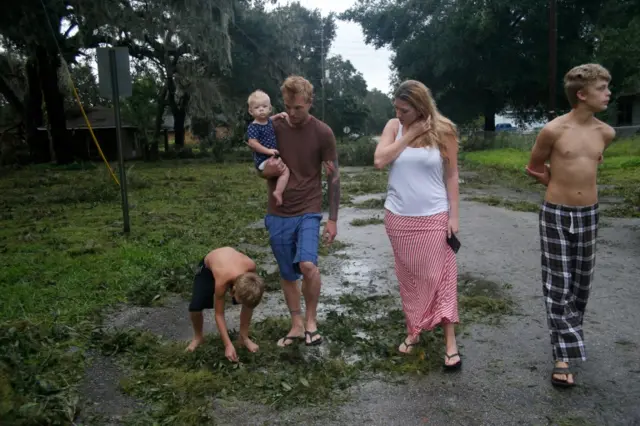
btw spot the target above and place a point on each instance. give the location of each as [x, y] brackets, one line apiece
[86, 119]
[75, 92]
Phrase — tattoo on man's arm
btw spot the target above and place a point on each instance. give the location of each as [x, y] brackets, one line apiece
[333, 178]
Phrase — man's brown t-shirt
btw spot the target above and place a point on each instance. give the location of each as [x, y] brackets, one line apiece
[303, 149]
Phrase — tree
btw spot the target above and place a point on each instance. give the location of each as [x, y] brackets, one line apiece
[380, 111]
[48, 37]
[268, 46]
[484, 57]
[345, 90]
[617, 44]
[185, 41]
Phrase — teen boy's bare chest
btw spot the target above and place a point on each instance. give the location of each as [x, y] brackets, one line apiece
[580, 145]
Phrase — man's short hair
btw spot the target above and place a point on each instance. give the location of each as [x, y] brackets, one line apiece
[256, 96]
[295, 85]
[577, 78]
[248, 289]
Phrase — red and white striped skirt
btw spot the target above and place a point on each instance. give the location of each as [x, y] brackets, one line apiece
[426, 269]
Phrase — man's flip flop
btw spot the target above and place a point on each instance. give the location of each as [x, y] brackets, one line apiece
[455, 366]
[292, 339]
[311, 335]
[561, 383]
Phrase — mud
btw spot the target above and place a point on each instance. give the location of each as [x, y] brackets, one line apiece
[505, 376]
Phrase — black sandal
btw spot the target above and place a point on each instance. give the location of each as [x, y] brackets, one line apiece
[408, 346]
[311, 335]
[292, 339]
[562, 383]
[455, 366]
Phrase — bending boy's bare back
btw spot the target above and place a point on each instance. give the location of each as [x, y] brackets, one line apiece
[226, 264]
[574, 150]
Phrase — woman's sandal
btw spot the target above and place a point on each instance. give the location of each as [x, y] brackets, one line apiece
[409, 346]
[562, 383]
[455, 366]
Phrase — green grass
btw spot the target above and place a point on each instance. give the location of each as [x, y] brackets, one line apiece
[356, 153]
[375, 220]
[620, 172]
[520, 206]
[372, 203]
[66, 259]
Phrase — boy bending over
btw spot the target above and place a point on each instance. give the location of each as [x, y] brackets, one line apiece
[262, 138]
[573, 143]
[222, 270]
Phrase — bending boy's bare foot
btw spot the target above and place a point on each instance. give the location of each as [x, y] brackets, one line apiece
[247, 343]
[278, 197]
[194, 344]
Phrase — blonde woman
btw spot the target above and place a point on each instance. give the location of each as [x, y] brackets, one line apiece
[421, 213]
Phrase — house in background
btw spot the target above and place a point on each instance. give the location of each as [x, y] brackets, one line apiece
[103, 125]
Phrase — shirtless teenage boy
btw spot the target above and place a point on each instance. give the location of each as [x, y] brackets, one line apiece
[574, 144]
[225, 269]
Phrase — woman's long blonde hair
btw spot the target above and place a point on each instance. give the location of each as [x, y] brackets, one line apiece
[419, 97]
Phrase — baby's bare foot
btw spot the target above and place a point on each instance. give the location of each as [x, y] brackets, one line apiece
[194, 344]
[278, 198]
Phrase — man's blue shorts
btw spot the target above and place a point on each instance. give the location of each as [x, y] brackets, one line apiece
[293, 240]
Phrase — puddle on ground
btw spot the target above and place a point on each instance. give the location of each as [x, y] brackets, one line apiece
[363, 268]
[474, 286]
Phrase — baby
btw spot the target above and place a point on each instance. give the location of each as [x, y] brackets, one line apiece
[262, 138]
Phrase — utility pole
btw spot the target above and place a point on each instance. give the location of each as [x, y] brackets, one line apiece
[322, 65]
[553, 58]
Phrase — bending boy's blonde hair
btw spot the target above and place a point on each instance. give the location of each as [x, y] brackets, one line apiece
[249, 288]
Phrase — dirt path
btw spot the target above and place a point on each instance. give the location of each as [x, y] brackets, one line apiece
[505, 377]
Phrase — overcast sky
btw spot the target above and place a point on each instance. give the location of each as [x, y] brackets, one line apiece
[349, 42]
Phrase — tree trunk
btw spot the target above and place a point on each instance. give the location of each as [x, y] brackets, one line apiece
[178, 128]
[179, 117]
[153, 153]
[11, 97]
[489, 117]
[489, 122]
[37, 141]
[48, 67]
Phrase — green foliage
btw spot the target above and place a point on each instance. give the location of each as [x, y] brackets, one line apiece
[345, 92]
[60, 273]
[381, 110]
[618, 174]
[503, 43]
[141, 107]
[38, 367]
[356, 152]
[375, 220]
[521, 206]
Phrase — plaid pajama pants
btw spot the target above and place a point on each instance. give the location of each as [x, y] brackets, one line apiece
[568, 243]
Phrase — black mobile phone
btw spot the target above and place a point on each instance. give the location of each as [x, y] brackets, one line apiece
[454, 243]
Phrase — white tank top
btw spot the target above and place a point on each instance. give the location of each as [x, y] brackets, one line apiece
[416, 182]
